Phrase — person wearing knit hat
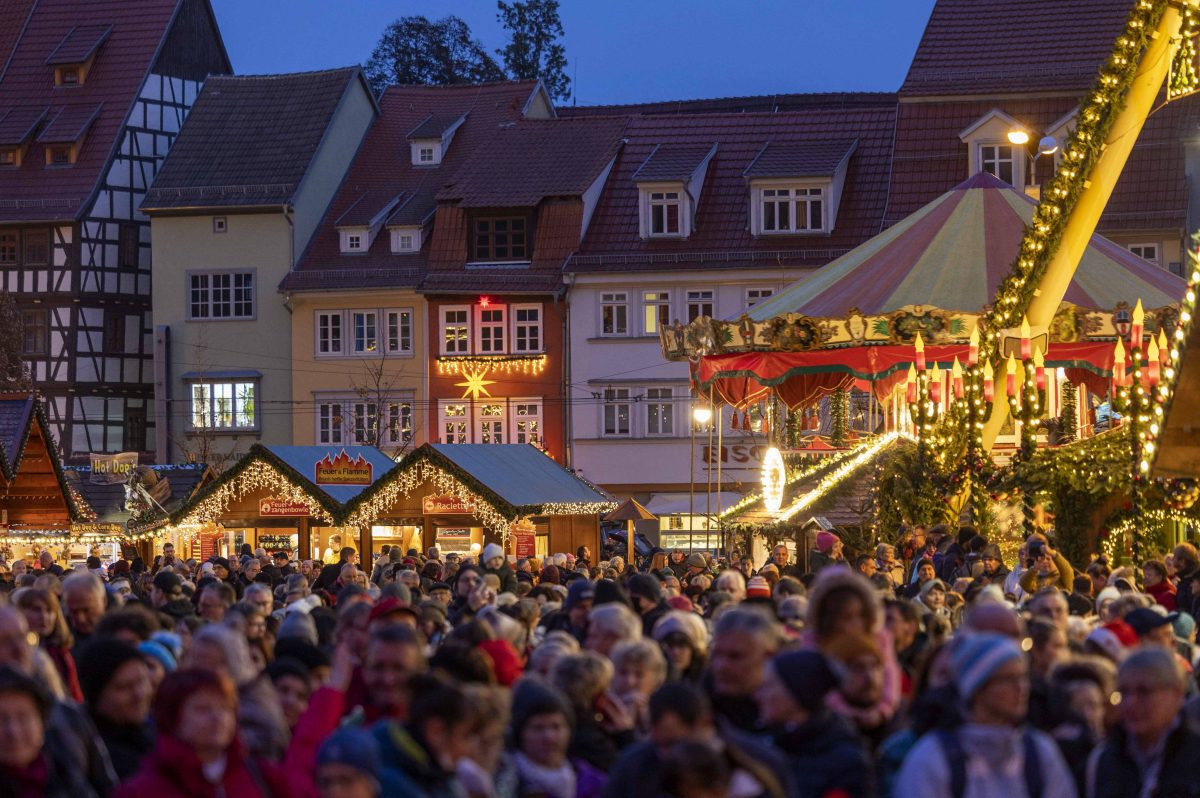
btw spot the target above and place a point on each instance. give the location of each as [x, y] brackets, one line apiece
[827, 552]
[542, 726]
[159, 658]
[646, 597]
[118, 691]
[348, 763]
[506, 663]
[757, 588]
[992, 753]
[822, 751]
[549, 575]
[683, 637]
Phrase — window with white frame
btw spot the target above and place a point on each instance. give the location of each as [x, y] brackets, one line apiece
[365, 331]
[329, 332]
[364, 422]
[456, 330]
[425, 155]
[791, 209]
[490, 326]
[221, 295]
[699, 303]
[223, 405]
[490, 422]
[1146, 251]
[666, 210]
[616, 412]
[614, 314]
[527, 328]
[330, 422]
[406, 239]
[999, 160]
[756, 295]
[657, 305]
[354, 242]
[454, 422]
[399, 331]
[660, 411]
[527, 421]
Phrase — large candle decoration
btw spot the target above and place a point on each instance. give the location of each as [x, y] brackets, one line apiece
[989, 384]
[1139, 325]
[1010, 376]
[1039, 369]
[910, 385]
[973, 348]
[1153, 366]
[919, 346]
[935, 384]
[956, 378]
[1026, 339]
[1118, 370]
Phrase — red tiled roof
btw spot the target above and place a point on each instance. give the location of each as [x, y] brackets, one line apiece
[372, 206]
[673, 161]
[522, 164]
[384, 162]
[930, 159]
[722, 237]
[79, 45]
[18, 124]
[433, 127]
[69, 124]
[34, 192]
[758, 104]
[984, 47]
[816, 159]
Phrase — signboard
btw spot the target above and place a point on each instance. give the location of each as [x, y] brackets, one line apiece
[446, 505]
[208, 545]
[525, 543]
[273, 543]
[282, 508]
[343, 470]
[454, 539]
[113, 469]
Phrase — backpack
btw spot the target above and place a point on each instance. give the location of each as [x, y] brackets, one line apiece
[956, 758]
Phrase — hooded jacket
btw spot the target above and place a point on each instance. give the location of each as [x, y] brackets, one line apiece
[826, 757]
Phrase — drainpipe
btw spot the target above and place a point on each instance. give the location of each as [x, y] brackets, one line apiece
[568, 411]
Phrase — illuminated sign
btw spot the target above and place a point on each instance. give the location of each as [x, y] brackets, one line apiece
[343, 470]
[773, 477]
[446, 505]
[282, 508]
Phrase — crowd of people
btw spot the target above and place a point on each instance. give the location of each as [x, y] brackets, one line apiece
[932, 667]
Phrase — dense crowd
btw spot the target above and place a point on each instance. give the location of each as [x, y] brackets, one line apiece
[928, 668]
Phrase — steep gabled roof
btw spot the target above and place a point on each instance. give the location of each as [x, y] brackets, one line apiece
[673, 162]
[721, 237]
[30, 35]
[1019, 46]
[384, 162]
[22, 419]
[813, 159]
[69, 124]
[434, 126]
[249, 140]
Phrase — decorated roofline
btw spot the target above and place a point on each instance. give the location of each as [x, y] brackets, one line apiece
[267, 471]
[427, 464]
[78, 510]
[795, 332]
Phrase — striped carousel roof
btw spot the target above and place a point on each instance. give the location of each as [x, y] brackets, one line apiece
[953, 253]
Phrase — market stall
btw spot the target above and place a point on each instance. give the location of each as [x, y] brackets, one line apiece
[283, 498]
[465, 496]
[38, 506]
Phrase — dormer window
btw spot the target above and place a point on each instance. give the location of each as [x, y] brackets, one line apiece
[354, 240]
[59, 155]
[64, 135]
[796, 209]
[796, 187]
[665, 213]
[430, 139]
[406, 239]
[998, 160]
[10, 156]
[72, 59]
[363, 220]
[989, 148]
[670, 181]
[425, 155]
[501, 238]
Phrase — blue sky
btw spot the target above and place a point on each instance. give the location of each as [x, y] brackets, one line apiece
[620, 50]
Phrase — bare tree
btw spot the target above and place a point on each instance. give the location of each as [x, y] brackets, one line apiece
[380, 420]
[14, 371]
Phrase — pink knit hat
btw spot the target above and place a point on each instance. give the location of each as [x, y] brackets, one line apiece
[825, 541]
[757, 587]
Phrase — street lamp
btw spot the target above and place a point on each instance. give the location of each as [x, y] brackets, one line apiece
[1048, 145]
[702, 414]
[1018, 137]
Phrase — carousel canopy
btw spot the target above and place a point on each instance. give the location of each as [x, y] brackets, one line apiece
[952, 255]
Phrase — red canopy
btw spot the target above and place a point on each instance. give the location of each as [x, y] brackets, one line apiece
[800, 378]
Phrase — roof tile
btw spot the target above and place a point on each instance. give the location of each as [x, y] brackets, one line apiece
[672, 161]
[69, 124]
[816, 159]
[79, 45]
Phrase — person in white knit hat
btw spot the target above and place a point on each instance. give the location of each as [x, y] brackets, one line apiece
[494, 562]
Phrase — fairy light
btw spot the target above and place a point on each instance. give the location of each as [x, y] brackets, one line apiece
[532, 365]
[829, 482]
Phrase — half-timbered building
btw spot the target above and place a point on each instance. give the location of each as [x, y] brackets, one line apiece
[92, 95]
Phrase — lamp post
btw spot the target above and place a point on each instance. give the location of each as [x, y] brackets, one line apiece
[1048, 145]
[701, 414]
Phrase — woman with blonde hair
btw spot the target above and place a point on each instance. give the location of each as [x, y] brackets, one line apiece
[44, 614]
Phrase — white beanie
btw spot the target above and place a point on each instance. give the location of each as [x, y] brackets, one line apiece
[491, 551]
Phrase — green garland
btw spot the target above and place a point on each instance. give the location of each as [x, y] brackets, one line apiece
[1068, 417]
[839, 415]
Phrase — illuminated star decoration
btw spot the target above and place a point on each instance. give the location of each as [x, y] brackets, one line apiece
[475, 384]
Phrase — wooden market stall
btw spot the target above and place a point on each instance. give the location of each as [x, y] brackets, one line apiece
[37, 505]
[467, 495]
[285, 498]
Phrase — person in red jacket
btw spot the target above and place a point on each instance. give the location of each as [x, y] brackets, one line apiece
[1154, 573]
[197, 753]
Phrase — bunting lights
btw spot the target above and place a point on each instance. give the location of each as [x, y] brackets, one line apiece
[859, 458]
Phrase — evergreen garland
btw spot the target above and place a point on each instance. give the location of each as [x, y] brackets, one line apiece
[1068, 417]
[839, 412]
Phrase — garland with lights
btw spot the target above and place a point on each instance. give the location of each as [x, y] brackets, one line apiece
[821, 465]
[839, 418]
[251, 475]
[1068, 416]
[507, 364]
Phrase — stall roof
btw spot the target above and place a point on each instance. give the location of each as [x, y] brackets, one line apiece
[23, 422]
[1178, 455]
[107, 499]
[520, 474]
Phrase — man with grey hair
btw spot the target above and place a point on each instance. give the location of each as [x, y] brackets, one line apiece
[733, 583]
[84, 600]
[1153, 749]
[610, 624]
[260, 595]
[744, 640]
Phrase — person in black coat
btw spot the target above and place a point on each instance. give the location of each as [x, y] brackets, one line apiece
[116, 685]
[825, 754]
[645, 593]
[331, 573]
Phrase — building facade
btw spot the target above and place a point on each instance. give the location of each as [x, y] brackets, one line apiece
[92, 96]
[228, 219]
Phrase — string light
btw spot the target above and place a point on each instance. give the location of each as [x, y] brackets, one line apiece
[502, 364]
[863, 455]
